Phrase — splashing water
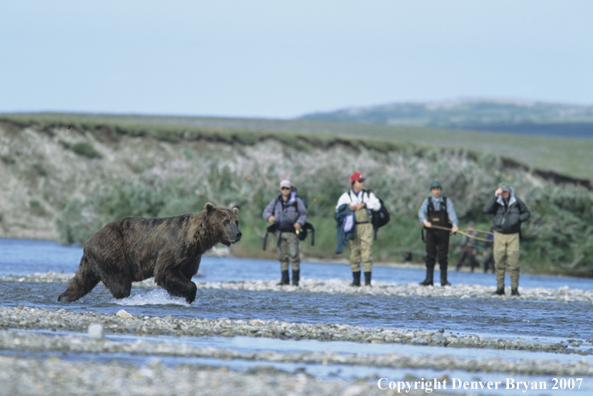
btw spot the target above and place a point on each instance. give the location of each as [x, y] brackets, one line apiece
[153, 297]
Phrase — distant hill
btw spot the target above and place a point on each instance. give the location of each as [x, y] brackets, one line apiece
[515, 117]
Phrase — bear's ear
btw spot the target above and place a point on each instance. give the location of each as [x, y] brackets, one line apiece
[209, 207]
[236, 210]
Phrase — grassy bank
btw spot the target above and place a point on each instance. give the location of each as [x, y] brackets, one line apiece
[565, 156]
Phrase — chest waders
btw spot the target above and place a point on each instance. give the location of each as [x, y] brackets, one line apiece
[437, 242]
[361, 246]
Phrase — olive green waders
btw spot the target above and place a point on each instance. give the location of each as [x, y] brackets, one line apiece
[506, 250]
[361, 247]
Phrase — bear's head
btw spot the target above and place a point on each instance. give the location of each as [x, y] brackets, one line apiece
[224, 224]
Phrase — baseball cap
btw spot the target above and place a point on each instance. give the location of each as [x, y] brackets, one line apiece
[285, 183]
[435, 184]
[356, 176]
[504, 186]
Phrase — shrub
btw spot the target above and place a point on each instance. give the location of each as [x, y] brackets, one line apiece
[85, 149]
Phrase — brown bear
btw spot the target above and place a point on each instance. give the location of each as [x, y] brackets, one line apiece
[169, 248]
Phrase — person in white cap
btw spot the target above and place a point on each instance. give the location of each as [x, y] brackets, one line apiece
[289, 215]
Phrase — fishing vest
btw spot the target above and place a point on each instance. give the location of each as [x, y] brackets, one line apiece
[438, 217]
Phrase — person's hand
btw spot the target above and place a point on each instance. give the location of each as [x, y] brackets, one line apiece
[498, 192]
[427, 224]
[297, 226]
[271, 219]
[360, 206]
[352, 207]
[454, 229]
[475, 252]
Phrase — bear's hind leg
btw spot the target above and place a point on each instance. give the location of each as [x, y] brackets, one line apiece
[176, 284]
[83, 282]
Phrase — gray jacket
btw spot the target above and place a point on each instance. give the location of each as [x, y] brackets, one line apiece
[507, 218]
[286, 213]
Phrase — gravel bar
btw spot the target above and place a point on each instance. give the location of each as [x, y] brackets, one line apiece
[341, 286]
[56, 377]
[21, 341]
[22, 317]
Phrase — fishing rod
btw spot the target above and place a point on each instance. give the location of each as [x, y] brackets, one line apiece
[464, 233]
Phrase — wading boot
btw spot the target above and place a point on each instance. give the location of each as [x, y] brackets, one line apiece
[285, 279]
[355, 279]
[515, 292]
[444, 281]
[367, 278]
[428, 281]
[499, 291]
[296, 276]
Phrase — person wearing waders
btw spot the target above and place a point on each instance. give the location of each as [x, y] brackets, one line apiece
[437, 210]
[289, 215]
[361, 202]
[508, 213]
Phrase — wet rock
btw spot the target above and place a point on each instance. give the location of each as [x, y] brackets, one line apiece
[123, 314]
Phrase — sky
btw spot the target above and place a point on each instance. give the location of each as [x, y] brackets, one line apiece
[282, 59]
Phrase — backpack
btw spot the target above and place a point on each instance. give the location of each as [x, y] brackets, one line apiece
[380, 217]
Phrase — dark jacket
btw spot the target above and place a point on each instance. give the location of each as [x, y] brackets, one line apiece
[286, 213]
[507, 218]
[342, 236]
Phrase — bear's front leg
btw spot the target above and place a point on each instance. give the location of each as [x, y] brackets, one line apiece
[176, 284]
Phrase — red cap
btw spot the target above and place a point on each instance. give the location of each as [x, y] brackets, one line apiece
[356, 176]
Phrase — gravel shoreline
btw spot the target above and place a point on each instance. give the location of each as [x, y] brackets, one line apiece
[34, 342]
[124, 323]
[341, 286]
[56, 377]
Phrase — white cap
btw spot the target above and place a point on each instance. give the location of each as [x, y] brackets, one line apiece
[285, 183]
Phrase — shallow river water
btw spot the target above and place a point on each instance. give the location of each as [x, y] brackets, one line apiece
[540, 321]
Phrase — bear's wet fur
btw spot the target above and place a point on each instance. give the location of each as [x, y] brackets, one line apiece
[169, 248]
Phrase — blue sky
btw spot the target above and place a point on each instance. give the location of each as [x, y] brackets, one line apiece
[281, 59]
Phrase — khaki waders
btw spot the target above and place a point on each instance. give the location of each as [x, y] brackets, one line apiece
[361, 247]
[288, 250]
[506, 250]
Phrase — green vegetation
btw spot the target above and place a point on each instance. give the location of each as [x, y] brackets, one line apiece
[40, 169]
[85, 149]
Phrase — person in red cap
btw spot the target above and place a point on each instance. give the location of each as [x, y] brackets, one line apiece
[361, 202]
